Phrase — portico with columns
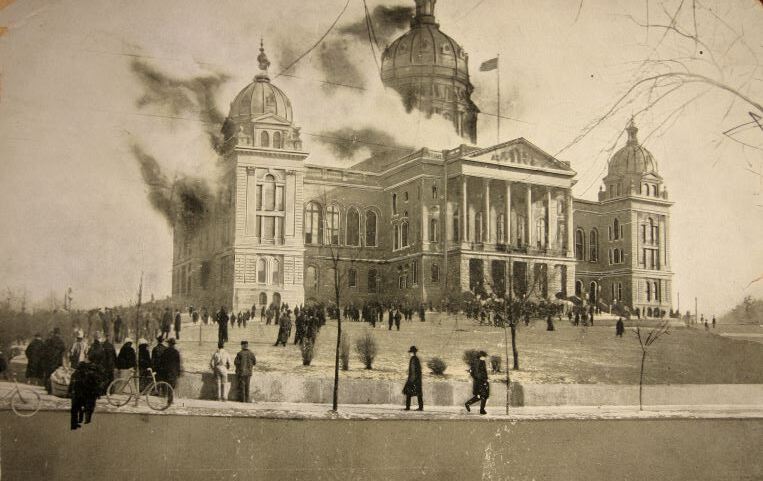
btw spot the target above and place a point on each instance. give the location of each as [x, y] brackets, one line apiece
[508, 204]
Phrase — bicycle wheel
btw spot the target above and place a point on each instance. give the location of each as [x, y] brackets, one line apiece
[25, 403]
[159, 396]
[119, 392]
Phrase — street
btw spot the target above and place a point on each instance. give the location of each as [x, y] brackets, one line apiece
[168, 447]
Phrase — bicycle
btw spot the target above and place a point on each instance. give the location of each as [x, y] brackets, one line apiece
[24, 403]
[159, 394]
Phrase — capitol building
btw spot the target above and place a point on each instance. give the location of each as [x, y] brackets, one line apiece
[425, 225]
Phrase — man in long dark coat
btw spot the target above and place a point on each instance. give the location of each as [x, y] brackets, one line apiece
[53, 355]
[480, 384]
[34, 366]
[178, 323]
[413, 386]
[170, 366]
[109, 362]
[222, 326]
[156, 356]
[166, 323]
[84, 389]
[619, 327]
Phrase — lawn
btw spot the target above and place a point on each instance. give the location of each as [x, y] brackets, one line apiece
[567, 355]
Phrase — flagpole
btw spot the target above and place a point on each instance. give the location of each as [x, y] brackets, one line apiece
[498, 68]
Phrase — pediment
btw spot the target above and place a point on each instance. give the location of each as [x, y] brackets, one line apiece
[272, 119]
[521, 153]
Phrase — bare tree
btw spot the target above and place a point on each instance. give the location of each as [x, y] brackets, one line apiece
[682, 61]
[645, 340]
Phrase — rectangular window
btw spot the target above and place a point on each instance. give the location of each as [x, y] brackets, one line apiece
[269, 228]
[352, 278]
[415, 272]
[259, 197]
[279, 198]
[435, 273]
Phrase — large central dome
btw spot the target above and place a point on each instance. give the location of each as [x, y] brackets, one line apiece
[430, 71]
[633, 158]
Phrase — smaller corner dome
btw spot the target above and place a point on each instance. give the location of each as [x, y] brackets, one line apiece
[633, 158]
[261, 97]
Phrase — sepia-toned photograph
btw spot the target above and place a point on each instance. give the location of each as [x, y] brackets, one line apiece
[381, 240]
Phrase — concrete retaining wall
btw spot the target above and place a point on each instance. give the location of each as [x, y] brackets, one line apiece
[284, 387]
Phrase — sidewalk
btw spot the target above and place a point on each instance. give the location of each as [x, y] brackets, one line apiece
[496, 411]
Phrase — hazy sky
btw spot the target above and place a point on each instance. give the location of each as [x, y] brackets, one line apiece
[73, 206]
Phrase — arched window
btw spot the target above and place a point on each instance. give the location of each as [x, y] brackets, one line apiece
[616, 229]
[264, 139]
[311, 278]
[579, 288]
[617, 256]
[353, 227]
[276, 272]
[434, 191]
[593, 246]
[654, 190]
[313, 223]
[579, 245]
[394, 204]
[332, 225]
[404, 234]
[371, 220]
[656, 290]
[620, 290]
[434, 227]
[396, 237]
[263, 300]
[372, 280]
[277, 139]
[352, 278]
[269, 193]
[593, 293]
[262, 274]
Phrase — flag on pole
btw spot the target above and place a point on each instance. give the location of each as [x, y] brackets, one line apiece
[489, 65]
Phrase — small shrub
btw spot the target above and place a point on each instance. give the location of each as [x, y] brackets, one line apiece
[495, 363]
[308, 351]
[344, 352]
[367, 349]
[471, 356]
[437, 366]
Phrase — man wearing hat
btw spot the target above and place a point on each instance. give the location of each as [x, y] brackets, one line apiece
[78, 351]
[480, 383]
[244, 362]
[156, 355]
[170, 366]
[220, 364]
[413, 385]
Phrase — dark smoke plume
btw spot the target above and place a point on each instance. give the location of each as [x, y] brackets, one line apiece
[346, 142]
[387, 21]
[183, 202]
[195, 96]
[338, 66]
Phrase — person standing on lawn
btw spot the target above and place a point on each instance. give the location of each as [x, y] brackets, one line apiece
[619, 327]
[398, 316]
[53, 356]
[413, 386]
[222, 326]
[220, 364]
[178, 322]
[244, 362]
[170, 366]
[480, 383]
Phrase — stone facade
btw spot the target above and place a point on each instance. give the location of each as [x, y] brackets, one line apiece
[420, 227]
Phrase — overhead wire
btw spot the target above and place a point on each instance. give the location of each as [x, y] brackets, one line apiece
[323, 37]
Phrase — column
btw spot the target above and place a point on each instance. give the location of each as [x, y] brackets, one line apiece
[509, 239]
[464, 210]
[570, 227]
[424, 221]
[529, 202]
[548, 238]
[487, 234]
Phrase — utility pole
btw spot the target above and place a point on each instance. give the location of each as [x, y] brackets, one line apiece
[137, 334]
[696, 311]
